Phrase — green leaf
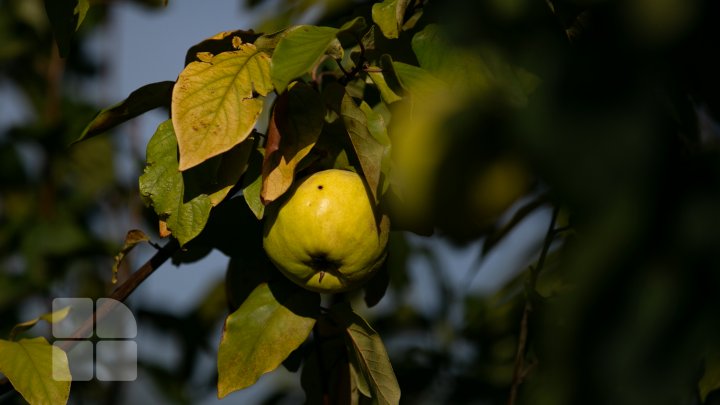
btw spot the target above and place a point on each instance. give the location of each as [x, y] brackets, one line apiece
[81, 10]
[387, 94]
[371, 358]
[388, 15]
[216, 102]
[163, 188]
[37, 370]
[252, 184]
[369, 151]
[51, 317]
[417, 81]
[710, 380]
[378, 129]
[140, 101]
[296, 123]
[298, 51]
[470, 70]
[462, 69]
[262, 333]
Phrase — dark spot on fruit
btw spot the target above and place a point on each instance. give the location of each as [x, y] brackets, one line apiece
[320, 187]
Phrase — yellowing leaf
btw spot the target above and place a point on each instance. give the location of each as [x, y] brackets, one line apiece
[262, 333]
[368, 356]
[216, 103]
[37, 370]
[51, 317]
[132, 239]
[298, 51]
[296, 124]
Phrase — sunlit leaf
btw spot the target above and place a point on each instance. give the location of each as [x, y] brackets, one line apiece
[216, 102]
[37, 370]
[388, 15]
[298, 51]
[51, 317]
[369, 151]
[142, 100]
[81, 10]
[371, 358]
[296, 124]
[162, 187]
[262, 333]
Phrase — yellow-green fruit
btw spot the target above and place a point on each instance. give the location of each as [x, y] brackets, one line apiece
[324, 236]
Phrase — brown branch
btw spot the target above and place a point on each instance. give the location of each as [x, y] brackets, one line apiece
[122, 292]
[520, 370]
[119, 295]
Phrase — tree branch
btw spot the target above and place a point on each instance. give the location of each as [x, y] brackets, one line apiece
[520, 371]
[119, 295]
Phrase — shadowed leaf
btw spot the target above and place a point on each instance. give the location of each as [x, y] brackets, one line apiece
[63, 16]
[296, 124]
[252, 183]
[221, 42]
[369, 151]
[140, 101]
[371, 359]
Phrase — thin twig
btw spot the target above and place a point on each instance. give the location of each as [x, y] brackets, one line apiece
[520, 370]
[120, 294]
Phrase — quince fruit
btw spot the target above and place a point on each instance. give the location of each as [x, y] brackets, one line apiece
[324, 235]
